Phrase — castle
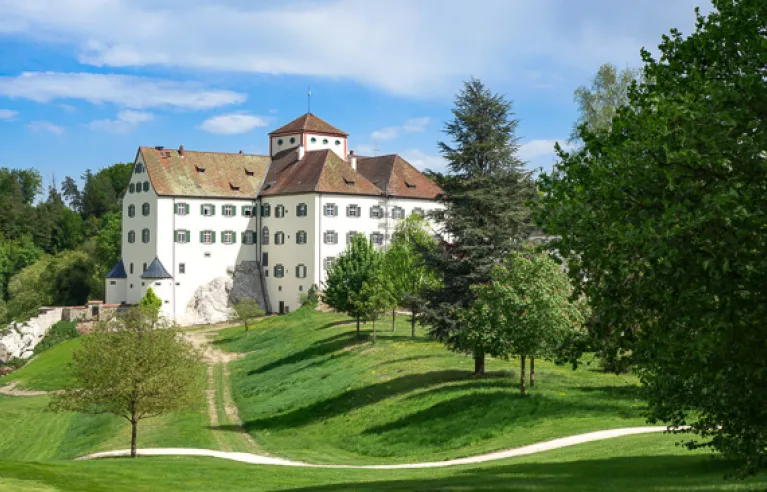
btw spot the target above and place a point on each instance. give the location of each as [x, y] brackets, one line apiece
[191, 219]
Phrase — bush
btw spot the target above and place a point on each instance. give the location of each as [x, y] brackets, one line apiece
[311, 298]
[16, 364]
[61, 331]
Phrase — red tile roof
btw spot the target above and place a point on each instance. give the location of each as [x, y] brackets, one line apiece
[319, 171]
[309, 123]
[397, 177]
[204, 174]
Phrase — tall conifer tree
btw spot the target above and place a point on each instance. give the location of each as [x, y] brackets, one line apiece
[486, 212]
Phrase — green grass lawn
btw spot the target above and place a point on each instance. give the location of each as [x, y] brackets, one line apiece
[636, 463]
[48, 371]
[310, 390]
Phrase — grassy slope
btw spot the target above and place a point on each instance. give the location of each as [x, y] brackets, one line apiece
[637, 463]
[48, 371]
[310, 390]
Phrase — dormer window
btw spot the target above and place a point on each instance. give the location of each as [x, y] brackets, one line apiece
[249, 173]
[233, 187]
[349, 182]
[200, 170]
[410, 186]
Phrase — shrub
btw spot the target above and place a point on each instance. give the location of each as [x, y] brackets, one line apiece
[61, 331]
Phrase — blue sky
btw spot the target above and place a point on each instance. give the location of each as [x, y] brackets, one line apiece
[83, 83]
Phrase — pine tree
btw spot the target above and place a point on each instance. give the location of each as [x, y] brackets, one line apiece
[486, 213]
[358, 264]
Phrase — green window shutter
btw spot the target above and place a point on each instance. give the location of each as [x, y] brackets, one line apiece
[212, 210]
[175, 208]
[201, 237]
[188, 236]
[175, 239]
[234, 238]
[242, 237]
[212, 236]
[202, 209]
[186, 208]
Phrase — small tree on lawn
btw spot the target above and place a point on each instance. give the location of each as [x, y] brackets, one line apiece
[375, 298]
[405, 266]
[151, 302]
[525, 310]
[358, 264]
[245, 311]
[136, 367]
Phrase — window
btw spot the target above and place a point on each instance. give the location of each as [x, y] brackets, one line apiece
[207, 237]
[206, 254]
[350, 235]
[279, 142]
[131, 268]
[301, 271]
[265, 260]
[329, 262]
[300, 288]
[145, 236]
[301, 210]
[376, 212]
[279, 211]
[182, 209]
[146, 185]
[353, 211]
[279, 237]
[112, 282]
[331, 210]
[132, 188]
[397, 213]
[138, 187]
[182, 236]
[207, 210]
[314, 140]
[131, 237]
[131, 210]
[279, 271]
[417, 211]
[229, 210]
[292, 140]
[265, 235]
[410, 186]
[266, 210]
[144, 271]
[249, 237]
[301, 237]
[247, 211]
[182, 268]
[338, 142]
[377, 238]
[325, 141]
[228, 237]
[145, 209]
[331, 237]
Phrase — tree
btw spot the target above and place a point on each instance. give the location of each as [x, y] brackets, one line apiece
[108, 240]
[406, 268]
[375, 298]
[356, 265]
[136, 367]
[246, 310]
[151, 302]
[524, 311]
[599, 103]
[486, 214]
[662, 224]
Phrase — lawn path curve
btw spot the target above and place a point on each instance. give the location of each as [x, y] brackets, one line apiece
[256, 459]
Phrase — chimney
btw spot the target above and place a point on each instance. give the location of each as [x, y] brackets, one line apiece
[181, 151]
[301, 152]
[352, 160]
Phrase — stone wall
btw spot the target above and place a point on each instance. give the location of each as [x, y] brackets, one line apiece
[19, 339]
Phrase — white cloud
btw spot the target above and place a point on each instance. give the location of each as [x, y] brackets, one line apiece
[400, 46]
[8, 114]
[45, 126]
[423, 161]
[534, 149]
[413, 125]
[124, 90]
[233, 123]
[126, 121]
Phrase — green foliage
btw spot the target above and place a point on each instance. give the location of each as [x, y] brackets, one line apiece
[246, 310]
[311, 298]
[108, 239]
[662, 224]
[599, 103]
[524, 311]
[486, 210]
[375, 298]
[135, 367]
[359, 263]
[15, 255]
[61, 331]
[151, 303]
[406, 267]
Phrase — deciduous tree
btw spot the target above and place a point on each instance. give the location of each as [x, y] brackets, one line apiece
[599, 103]
[245, 311]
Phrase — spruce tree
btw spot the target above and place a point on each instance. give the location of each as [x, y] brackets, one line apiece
[486, 212]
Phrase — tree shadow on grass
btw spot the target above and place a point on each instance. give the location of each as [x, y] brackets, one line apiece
[665, 473]
[353, 399]
[333, 324]
[318, 349]
[625, 392]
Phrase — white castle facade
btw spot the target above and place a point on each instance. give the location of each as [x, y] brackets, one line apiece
[191, 219]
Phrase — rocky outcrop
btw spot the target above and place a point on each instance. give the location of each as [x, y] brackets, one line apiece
[18, 340]
[212, 302]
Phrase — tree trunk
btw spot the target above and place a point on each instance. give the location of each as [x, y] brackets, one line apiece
[479, 363]
[358, 326]
[246, 327]
[134, 429]
[374, 330]
[522, 375]
[412, 323]
[393, 314]
[532, 371]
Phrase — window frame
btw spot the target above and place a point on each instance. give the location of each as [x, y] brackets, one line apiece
[302, 235]
[376, 212]
[397, 212]
[208, 206]
[377, 235]
[299, 271]
[329, 262]
[185, 234]
[146, 209]
[279, 237]
[231, 208]
[330, 207]
[279, 270]
[146, 232]
[265, 236]
[302, 210]
[357, 211]
[131, 210]
[181, 208]
[131, 237]
[279, 211]
[266, 210]
[333, 237]
[231, 234]
[210, 233]
[146, 186]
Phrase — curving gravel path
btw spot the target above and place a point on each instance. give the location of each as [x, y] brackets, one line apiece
[482, 458]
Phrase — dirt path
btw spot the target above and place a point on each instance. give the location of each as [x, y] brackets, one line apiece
[483, 458]
[11, 390]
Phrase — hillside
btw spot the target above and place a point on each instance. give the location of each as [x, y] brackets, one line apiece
[309, 390]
